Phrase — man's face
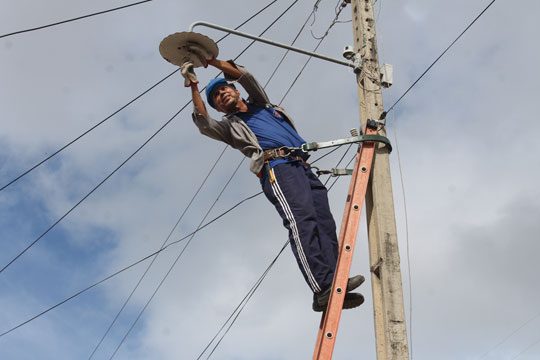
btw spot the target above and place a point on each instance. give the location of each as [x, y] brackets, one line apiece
[226, 99]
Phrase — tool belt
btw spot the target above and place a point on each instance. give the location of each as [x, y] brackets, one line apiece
[284, 152]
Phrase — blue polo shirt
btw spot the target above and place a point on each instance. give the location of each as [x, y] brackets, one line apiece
[271, 129]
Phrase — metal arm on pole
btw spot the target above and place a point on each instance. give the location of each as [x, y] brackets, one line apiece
[273, 43]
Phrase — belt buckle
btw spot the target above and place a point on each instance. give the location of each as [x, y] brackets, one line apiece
[284, 151]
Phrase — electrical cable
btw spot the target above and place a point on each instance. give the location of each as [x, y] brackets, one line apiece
[526, 349]
[74, 19]
[509, 336]
[93, 190]
[338, 177]
[121, 108]
[242, 304]
[132, 265]
[340, 160]
[176, 260]
[155, 257]
[102, 182]
[292, 43]
[325, 155]
[437, 59]
[87, 131]
[309, 58]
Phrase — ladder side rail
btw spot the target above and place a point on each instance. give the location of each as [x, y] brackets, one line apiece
[351, 221]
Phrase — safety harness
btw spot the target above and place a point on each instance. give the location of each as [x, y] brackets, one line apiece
[300, 153]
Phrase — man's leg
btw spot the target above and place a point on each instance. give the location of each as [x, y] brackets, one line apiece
[325, 220]
[292, 196]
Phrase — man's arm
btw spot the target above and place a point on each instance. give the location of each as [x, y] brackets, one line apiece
[198, 102]
[226, 67]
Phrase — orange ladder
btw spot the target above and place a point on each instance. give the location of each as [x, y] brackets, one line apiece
[347, 239]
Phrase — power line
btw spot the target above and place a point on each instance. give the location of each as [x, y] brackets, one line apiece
[87, 131]
[132, 265]
[436, 60]
[315, 49]
[292, 43]
[176, 260]
[93, 190]
[74, 19]
[155, 257]
[120, 109]
[241, 305]
[509, 336]
[526, 349]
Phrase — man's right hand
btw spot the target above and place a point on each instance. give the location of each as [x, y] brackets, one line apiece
[188, 73]
[201, 53]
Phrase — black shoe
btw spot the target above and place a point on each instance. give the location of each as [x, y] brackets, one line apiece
[355, 282]
[351, 301]
[320, 300]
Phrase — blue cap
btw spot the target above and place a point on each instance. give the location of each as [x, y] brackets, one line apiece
[214, 85]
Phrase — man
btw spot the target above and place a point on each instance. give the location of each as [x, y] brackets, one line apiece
[266, 134]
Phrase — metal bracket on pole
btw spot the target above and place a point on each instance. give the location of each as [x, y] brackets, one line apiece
[353, 64]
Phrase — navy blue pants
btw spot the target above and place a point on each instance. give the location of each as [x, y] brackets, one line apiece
[302, 201]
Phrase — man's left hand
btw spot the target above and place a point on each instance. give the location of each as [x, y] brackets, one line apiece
[189, 74]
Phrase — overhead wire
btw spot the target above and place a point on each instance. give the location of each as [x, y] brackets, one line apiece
[292, 43]
[437, 60]
[175, 262]
[92, 191]
[236, 312]
[74, 19]
[104, 180]
[18, 177]
[122, 108]
[309, 58]
[526, 349]
[156, 256]
[507, 337]
[130, 266]
[340, 160]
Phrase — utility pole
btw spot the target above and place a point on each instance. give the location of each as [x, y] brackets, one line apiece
[389, 313]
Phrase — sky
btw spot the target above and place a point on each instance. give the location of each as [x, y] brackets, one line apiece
[465, 153]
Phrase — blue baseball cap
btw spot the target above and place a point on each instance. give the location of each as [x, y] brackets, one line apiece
[214, 85]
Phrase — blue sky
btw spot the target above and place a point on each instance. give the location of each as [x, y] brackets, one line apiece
[469, 155]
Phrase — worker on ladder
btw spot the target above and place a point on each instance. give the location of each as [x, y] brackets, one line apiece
[266, 134]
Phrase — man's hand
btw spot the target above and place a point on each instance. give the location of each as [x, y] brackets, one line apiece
[189, 74]
[201, 53]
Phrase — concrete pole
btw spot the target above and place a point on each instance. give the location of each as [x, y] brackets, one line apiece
[389, 313]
